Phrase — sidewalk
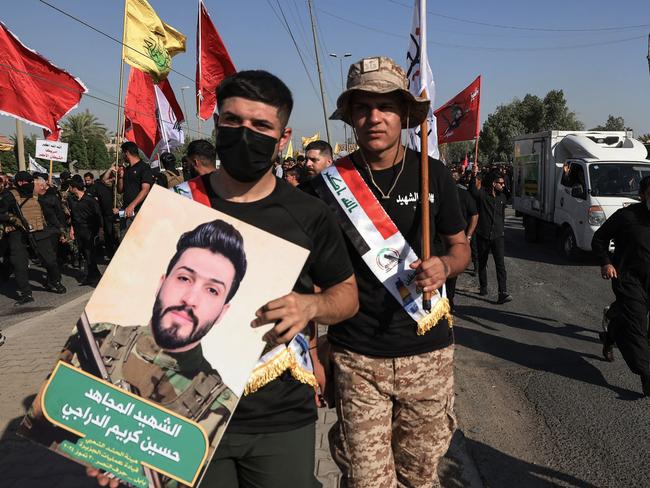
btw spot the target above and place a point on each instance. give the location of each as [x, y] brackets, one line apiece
[28, 356]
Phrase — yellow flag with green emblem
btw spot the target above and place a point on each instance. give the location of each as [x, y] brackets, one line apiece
[149, 43]
[307, 140]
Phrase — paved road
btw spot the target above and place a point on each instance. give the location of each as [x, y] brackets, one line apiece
[538, 405]
[43, 301]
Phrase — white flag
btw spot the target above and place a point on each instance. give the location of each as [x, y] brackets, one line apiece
[34, 166]
[171, 131]
[420, 77]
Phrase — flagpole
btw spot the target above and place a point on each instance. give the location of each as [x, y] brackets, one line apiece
[119, 105]
[478, 121]
[21, 146]
[424, 200]
[320, 73]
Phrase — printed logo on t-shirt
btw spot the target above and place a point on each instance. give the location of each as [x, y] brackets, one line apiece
[412, 197]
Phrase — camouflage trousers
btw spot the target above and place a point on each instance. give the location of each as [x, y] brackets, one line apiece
[395, 418]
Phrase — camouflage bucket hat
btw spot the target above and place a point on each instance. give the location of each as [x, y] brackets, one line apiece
[380, 75]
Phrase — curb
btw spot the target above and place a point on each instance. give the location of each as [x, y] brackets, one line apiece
[21, 327]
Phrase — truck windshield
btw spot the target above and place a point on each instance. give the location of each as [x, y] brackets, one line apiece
[617, 179]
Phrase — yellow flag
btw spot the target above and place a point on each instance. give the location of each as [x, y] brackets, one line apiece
[149, 42]
[307, 140]
[289, 153]
[337, 148]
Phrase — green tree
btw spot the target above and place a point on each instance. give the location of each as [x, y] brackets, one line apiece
[83, 124]
[613, 123]
[97, 153]
[529, 115]
[78, 152]
[557, 115]
[644, 138]
[454, 152]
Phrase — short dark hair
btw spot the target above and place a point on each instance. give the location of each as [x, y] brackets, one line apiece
[130, 148]
[644, 184]
[89, 174]
[300, 158]
[168, 160]
[65, 175]
[76, 184]
[203, 149]
[322, 146]
[218, 237]
[258, 86]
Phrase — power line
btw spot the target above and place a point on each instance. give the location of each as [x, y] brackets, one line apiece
[8, 67]
[118, 41]
[515, 27]
[285, 25]
[486, 48]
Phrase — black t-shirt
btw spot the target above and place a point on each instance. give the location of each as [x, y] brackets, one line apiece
[134, 176]
[382, 328]
[286, 404]
[467, 205]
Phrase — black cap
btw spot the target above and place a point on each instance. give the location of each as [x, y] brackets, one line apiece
[23, 176]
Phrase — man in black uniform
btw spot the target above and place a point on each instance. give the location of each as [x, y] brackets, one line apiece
[26, 227]
[134, 181]
[628, 328]
[470, 215]
[103, 192]
[86, 221]
[491, 202]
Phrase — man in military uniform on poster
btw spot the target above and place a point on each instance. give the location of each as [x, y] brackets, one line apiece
[164, 361]
[26, 228]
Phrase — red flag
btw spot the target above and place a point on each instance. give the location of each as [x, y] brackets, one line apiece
[213, 64]
[31, 88]
[140, 122]
[459, 118]
[465, 162]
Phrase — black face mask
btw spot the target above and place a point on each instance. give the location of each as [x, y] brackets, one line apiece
[25, 190]
[246, 155]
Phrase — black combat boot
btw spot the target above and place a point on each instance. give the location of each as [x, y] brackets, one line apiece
[23, 299]
[57, 288]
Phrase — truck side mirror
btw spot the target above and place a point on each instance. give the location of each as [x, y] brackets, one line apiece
[577, 191]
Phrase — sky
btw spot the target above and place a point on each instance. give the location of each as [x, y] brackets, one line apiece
[592, 49]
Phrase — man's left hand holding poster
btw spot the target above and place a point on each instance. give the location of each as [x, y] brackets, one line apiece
[149, 378]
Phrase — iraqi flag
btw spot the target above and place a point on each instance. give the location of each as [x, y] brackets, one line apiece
[459, 118]
[420, 76]
[170, 117]
[213, 64]
[32, 89]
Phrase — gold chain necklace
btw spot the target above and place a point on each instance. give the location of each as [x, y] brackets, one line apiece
[384, 196]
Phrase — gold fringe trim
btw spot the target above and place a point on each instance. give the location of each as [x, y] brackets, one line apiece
[269, 371]
[264, 374]
[442, 310]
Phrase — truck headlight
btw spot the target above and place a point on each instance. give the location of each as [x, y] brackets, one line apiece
[596, 216]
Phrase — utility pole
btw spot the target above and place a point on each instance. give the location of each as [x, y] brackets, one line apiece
[320, 74]
[20, 142]
[649, 51]
[187, 120]
[345, 126]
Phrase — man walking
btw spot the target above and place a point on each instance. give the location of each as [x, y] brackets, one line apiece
[629, 227]
[393, 361]
[491, 201]
[86, 219]
[134, 181]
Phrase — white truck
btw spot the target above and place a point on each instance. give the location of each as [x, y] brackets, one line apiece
[570, 182]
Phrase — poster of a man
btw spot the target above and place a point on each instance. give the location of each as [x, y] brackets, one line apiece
[167, 361]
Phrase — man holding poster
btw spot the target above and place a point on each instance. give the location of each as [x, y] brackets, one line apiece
[270, 440]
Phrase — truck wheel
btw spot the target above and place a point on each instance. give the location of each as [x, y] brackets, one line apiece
[530, 228]
[568, 244]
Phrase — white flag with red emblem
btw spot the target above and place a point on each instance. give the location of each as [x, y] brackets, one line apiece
[420, 77]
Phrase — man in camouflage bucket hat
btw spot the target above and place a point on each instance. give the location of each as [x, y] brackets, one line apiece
[394, 388]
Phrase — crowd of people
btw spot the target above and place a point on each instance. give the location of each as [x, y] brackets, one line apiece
[388, 361]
